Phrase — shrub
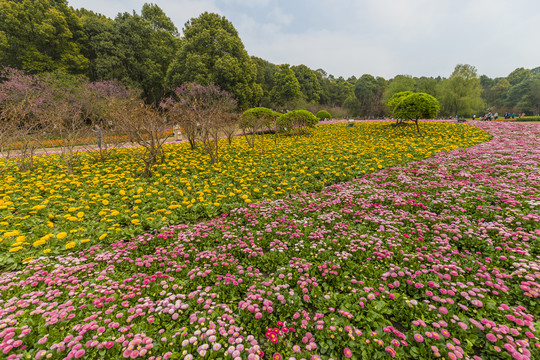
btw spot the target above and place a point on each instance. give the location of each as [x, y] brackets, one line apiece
[323, 114]
[256, 119]
[296, 122]
[529, 118]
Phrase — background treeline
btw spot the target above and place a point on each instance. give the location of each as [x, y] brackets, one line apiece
[146, 52]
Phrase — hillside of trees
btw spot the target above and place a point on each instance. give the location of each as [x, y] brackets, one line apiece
[146, 52]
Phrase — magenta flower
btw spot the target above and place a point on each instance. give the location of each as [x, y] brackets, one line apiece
[418, 337]
[391, 351]
[347, 352]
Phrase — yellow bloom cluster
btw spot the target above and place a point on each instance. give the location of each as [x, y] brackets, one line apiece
[46, 210]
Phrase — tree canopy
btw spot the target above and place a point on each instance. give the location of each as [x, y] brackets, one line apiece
[414, 106]
[461, 93]
[146, 52]
[211, 52]
[41, 35]
[286, 88]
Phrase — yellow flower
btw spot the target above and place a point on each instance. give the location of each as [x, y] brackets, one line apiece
[15, 249]
[80, 214]
[70, 245]
[61, 235]
[103, 236]
[105, 202]
[47, 251]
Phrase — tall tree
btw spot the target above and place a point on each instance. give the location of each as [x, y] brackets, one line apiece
[518, 75]
[41, 35]
[461, 92]
[309, 83]
[211, 52]
[265, 78]
[369, 92]
[426, 85]
[398, 84]
[286, 88]
[135, 49]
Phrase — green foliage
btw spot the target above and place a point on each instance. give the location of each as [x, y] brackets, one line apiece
[399, 83]
[41, 35]
[286, 88]
[518, 75]
[426, 85]
[211, 52]
[416, 106]
[397, 97]
[257, 118]
[135, 49]
[353, 106]
[369, 92]
[296, 121]
[309, 83]
[323, 114]
[461, 93]
[265, 78]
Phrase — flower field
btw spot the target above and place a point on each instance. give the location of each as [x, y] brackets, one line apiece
[48, 212]
[434, 259]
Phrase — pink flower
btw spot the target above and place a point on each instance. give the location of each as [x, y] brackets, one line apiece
[347, 352]
[277, 356]
[391, 351]
[79, 353]
[443, 310]
[491, 337]
[418, 337]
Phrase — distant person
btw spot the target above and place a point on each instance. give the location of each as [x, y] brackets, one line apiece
[99, 136]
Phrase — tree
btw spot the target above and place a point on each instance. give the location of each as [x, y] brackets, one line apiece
[254, 120]
[368, 91]
[41, 35]
[396, 99]
[202, 111]
[461, 92]
[524, 96]
[296, 122]
[323, 115]
[211, 52]
[135, 49]
[426, 85]
[518, 75]
[337, 90]
[415, 106]
[309, 83]
[398, 84]
[24, 100]
[265, 78]
[286, 88]
[145, 126]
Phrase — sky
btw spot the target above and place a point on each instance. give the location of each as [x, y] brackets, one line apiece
[378, 37]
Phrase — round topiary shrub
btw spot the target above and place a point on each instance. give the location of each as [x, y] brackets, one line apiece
[257, 118]
[296, 122]
[323, 114]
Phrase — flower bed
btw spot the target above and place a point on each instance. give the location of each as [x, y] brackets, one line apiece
[45, 211]
[434, 259]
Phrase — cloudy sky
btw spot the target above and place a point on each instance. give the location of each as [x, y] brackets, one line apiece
[378, 37]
